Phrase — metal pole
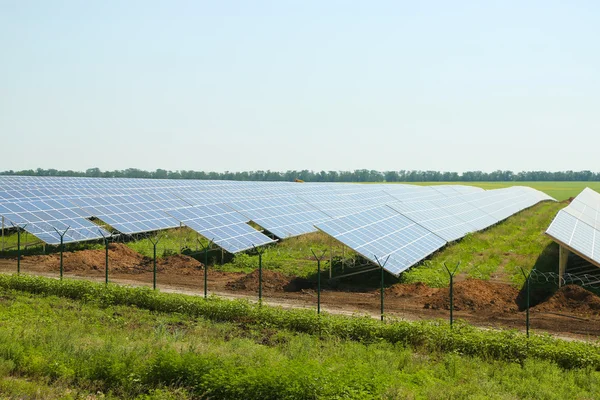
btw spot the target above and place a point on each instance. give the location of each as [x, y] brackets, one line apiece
[330, 257]
[451, 300]
[318, 286]
[259, 274]
[527, 322]
[2, 233]
[382, 281]
[451, 275]
[62, 248]
[18, 250]
[180, 237]
[318, 279]
[382, 294]
[61, 256]
[205, 272]
[260, 278]
[526, 300]
[154, 270]
[106, 262]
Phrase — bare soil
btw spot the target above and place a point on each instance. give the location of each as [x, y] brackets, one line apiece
[571, 311]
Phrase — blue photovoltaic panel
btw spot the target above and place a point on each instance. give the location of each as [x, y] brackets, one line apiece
[41, 218]
[437, 220]
[382, 232]
[224, 226]
[577, 226]
[466, 212]
[282, 216]
[133, 213]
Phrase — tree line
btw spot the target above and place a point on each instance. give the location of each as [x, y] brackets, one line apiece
[359, 175]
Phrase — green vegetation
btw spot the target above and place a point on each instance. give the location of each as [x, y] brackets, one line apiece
[110, 344]
[430, 336]
[358, 175]
[186, 347]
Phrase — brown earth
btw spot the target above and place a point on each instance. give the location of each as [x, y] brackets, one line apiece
[418, 289]
[121, 259]
[571, 310]
[271, 281]
[477, 296]
[572, 299]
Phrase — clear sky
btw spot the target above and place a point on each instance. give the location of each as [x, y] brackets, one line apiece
[332, 85]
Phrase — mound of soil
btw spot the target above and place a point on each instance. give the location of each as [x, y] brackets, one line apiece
[177, 263]
[120, 259]
[271, 280]
[477, 295]
[418, 289]
[573, 299]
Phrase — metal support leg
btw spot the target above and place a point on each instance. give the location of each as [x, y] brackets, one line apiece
[563, 258]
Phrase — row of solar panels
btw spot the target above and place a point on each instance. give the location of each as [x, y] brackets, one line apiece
[221, 210]
[577, 226]
[404, 233]
[284, 209]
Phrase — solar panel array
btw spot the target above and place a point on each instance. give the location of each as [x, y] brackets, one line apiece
[418, 228]
[577, 226]
[406, 222]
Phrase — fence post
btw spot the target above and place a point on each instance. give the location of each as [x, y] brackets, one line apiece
[106, 256]
[62, 248]
[154, 244]
[527, 298]
[318, 279]
[451, 275]
[206, 266]
[18, 250]
[260, 253]
[382, 281]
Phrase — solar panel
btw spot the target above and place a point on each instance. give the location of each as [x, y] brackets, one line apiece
[42, 218]
[577, 226]
[224, 226]
[132, 213]
[575, 234]
[282, 216]
[381, 232]
[466, 212]
[436, 219]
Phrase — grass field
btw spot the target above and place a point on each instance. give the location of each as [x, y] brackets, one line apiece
[59, 348]
[559, 190]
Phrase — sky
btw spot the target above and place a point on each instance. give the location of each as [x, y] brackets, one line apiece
[282, 85]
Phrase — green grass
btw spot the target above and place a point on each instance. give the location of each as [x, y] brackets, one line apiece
[559, 190]
[100, 347]
[291, 256]
[499, 251]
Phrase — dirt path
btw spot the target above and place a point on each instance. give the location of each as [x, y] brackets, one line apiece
[569, 314]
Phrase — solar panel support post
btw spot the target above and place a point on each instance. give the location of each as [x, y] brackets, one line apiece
[260, 253]
[382, 281]
[563, 258]
[2, 233]
[62, 248]
[154, 244]
[106, 256]
[318, 278]
[451, 275]
[527, 280]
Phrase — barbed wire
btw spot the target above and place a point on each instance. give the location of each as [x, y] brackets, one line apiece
[584, 280]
